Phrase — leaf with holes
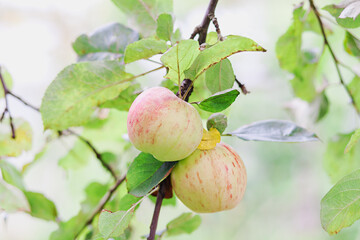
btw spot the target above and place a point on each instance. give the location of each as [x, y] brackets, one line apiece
[106, 43]
[220, 76]
[145, 173]
[23, 137]
[274, 131]
[210, 56]
[219, 101]
[179, 58]
[78, 89]
[340, 206]
[143, 49]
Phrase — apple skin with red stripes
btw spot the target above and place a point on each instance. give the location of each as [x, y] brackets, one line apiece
[164, 125]
[210, 180]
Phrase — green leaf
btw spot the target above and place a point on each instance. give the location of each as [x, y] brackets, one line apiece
[143, 49]
[144, 12]
[12, 199]
[218, 121]
[210, 56]
[185, 223]
[145, 173]
[354, 88]
[107, 43]
[71, 97]
[165, 26]
[23, 137]
[114, 224]
[220, 76]
[219, 101]
[340, 206]
[288, 46]
[336, 163]
[353, 140]
[323, 106]
[41, 207]
[212, 38]
[69, 229]
[274, 131]
[179, 58]
[346, 22]
[124, 100]
[11, 175]
[303, 84]
[352, 44]
[7, 79]
[77, 157]
[176, 36]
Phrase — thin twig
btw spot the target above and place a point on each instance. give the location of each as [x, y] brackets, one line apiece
[155, 218]
[203, 27]
[101, 204]
[242, 86]
[97, 154]
[23, 101]
[7, 110]
[217, 26]
[336, 61]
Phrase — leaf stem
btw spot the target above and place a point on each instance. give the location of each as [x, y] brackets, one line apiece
[242, 86]
[7, 110]
[336, 61]
[155, 218]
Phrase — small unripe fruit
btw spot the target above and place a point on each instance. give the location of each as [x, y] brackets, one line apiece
[163, 125]
[210, 180]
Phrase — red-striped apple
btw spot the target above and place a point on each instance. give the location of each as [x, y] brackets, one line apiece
[210, 180]
[164, 125]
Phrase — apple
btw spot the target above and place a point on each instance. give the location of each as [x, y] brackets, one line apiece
[164, 125]
[210, 180]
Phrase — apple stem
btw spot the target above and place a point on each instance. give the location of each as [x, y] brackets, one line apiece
[155, 218]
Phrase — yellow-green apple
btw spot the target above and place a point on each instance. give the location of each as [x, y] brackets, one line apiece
[164, 125]
[210, 180]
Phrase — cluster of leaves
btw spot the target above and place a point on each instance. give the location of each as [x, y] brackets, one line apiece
[340, 205]
[82, 93]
